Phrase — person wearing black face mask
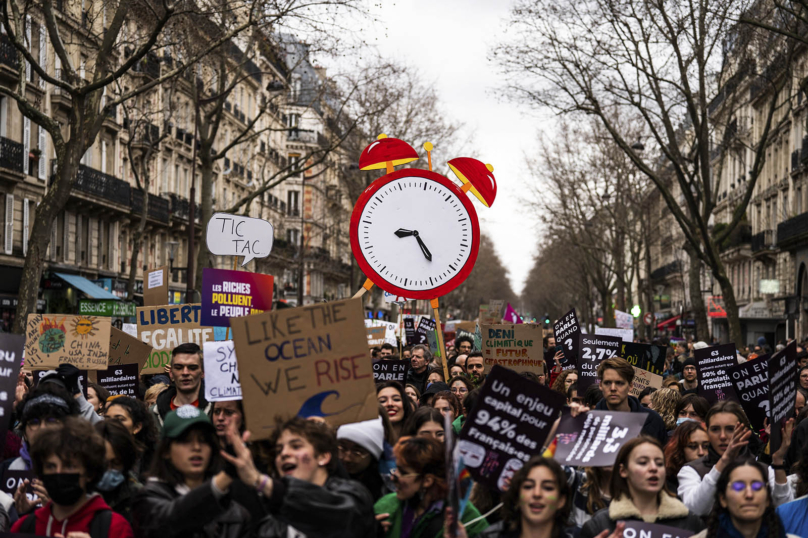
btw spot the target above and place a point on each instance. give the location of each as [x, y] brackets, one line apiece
[70, 463]
[118, 485]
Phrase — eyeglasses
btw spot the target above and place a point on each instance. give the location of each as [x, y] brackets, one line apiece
[740, 486]
[461, 390]
[357, 452]
[36, 422]
[397, 474]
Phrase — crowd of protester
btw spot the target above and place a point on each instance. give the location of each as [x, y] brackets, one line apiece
[169, 464]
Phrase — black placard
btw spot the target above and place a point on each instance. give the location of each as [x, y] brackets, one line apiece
[409, 330]
[390, 371]
[11, 348]
[713, 364]
[509, 424]
[425, 326]
[751, 382]
[782, 391]
[12, 480]
[641, 529]
[595, 348]
[592, 439]
[39, 374]
[566, 331]
[647, 357]
[120, 380]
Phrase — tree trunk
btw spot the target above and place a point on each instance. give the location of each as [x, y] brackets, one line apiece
[204, 258]
[696, 298]
[730, 305]
[606, 305]
[137, 238]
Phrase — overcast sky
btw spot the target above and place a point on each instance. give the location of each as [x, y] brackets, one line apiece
[449, 41]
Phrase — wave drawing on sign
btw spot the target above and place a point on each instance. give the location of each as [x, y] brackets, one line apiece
[313, 407]
[51, 335]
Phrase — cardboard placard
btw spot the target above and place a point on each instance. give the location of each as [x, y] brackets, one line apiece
[642, 380]
[120, 380]
[155, 287]
[592, 439]
[54, 339]
[782, 391]
[712, 365]
[230, 294]
[751, 382]
[509, 424]
[235, 235]
[566, 331]
[165, 327]
[375, 336]
[11, 348]
[594, 349]
[626, 335]
[390, 371]
[518, 347]
[308, 361]
[623, 320]
[641, 529]
[126, 349]
[648, 357]
[222, 382]
[390, 329]
[488, 316]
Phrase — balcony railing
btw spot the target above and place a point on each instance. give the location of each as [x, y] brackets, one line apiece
[793, 230]
[158, 207]
[11, 155]
[149, 65]
[795, 159]
[96, 183]
[8, 54]
[180, 208]
[765, 240]
[673, 267]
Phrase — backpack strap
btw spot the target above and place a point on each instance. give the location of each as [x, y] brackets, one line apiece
[99, 526]
[29, 524]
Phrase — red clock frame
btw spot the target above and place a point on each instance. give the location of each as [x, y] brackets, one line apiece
[380, 281]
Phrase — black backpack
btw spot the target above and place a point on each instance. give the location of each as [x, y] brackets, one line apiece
[99, 526]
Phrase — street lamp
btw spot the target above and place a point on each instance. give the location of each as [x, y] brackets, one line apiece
[171, 246]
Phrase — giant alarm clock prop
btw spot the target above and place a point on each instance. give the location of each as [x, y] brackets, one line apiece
[415, 233]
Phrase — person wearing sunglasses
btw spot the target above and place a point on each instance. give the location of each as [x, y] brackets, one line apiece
[743, 504]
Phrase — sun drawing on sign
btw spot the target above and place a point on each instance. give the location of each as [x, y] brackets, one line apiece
[51, 334]
[83, 326]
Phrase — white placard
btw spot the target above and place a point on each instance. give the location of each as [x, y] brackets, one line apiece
[221, 372]
[234, 235]
[130, 329]
[626, 335]
[155, 279]
[623, 320]
[393, 298]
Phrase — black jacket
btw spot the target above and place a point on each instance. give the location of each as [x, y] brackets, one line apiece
[672, 513]
[418, 380]
[163, 405]
[498, 530]
[159, 511]
[654, 425]
[339, 509]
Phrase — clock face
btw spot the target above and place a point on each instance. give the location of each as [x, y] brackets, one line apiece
[415, 234]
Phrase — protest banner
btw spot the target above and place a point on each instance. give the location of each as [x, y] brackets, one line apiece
[390, 371]
[642, 380]
[221, 372]
[11, 348]
[409, 330]
[165, 327]
[311, 361]
[123, 380]
[782, 391]
[425, 326]
[518, 347]
[592, 439]
[594, 349]
[54, 339]
[751, 382]
[566, 331]
[623, 320]
[155, 287]
[375, 336]
[712, 365]
[509, 424]
[645, 356]
[235, 235]
[126, 349]
[230, 294]
[640, 529]
[625, 335]
[389, 332]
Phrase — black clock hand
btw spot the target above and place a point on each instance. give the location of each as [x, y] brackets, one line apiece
[427, 254]
[401, 232]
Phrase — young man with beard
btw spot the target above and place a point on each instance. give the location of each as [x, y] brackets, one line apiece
[475, 368]
[689, 381]
[187, 372]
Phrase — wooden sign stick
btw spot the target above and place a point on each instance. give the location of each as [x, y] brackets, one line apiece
[364, 289]
[435, 303]
[235, 268]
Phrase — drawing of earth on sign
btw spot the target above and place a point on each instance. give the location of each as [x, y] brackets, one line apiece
[313, 407]
[83, 326]
[51, 335]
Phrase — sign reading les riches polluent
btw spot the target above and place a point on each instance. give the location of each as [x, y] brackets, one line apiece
[713, 364]
[166, 327]
[782, 391]
[230, 294]
[566, 331]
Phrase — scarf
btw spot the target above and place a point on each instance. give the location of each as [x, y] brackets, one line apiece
[25, 456]
[727, 530]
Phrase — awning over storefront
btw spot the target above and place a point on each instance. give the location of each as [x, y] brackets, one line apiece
[86, 287]
[668, 323]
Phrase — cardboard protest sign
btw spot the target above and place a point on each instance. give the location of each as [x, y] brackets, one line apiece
[626, 335]
[155, 287]
[165, 327]
[509, 424]
[592, 439]
[390, 329]
[712, 365]
[409, 330]
[221, 372]
[566, 331]
[123, 380]
[751, 382]
[495, 310]
[311, 362]
[518, 347]
[488, 315]
[432, 342]
[235, 235]
[375, 336]
[782, 391]
[623, 320]
[594, 350]
[642, 380]
[636, 528]
[54, 339]
[230, 294]
[126, 349]
[391, 371]
[467, 326]
[645, 356]
[11, 348]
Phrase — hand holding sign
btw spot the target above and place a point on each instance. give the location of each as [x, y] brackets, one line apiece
[234, 235]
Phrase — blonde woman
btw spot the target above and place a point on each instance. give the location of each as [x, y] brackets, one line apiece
[664, 402]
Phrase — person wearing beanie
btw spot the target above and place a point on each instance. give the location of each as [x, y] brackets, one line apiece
[689, 381]
[360, 446]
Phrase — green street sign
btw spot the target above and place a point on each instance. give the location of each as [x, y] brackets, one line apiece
[106, 308]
